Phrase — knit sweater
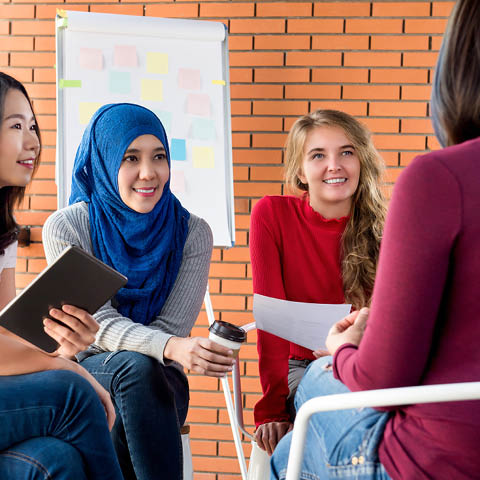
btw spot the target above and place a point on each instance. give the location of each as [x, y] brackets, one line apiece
[295, 255]
[71, 226]
[424, 322]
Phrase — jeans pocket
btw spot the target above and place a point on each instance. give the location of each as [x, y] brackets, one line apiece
[111, 355]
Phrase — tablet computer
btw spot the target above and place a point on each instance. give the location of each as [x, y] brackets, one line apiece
[75, 278]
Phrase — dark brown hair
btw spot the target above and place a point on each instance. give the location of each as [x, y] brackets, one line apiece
[456, 89]
[11, 196]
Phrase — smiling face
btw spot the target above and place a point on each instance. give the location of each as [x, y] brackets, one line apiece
[331, 169]
[19, 143]
[143, 173]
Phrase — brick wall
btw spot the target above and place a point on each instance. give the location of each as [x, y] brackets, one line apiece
[371, 59]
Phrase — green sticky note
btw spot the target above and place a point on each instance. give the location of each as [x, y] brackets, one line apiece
[62, 22]
[166, 119]
[203, 157]
[152, 90]
[62, 83]
[86, 111]
[203, 129]
[157, 62]
[120, 82]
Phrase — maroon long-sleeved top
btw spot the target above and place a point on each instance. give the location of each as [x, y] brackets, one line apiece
[424, 324]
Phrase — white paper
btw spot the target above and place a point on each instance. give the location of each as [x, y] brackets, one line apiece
[306, 324]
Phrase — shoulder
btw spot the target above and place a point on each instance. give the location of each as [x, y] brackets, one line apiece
[276, 206]
[78, 212]
[199, 237]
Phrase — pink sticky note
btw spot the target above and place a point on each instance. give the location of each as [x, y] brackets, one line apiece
[189, 79]
[125, 56]
[177, 181]
[91, 59]
[198, 104]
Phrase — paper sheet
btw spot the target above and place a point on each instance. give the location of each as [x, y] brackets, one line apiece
[306, 324]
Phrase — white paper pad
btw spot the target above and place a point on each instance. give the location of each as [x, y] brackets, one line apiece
[306, 324]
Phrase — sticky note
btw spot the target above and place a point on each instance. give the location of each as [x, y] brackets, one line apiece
[189, 79]
[203, 129]
[152, 90]
[86, 111]
[62, 22]
[177, 181]
[203, 157]
[125, 56]
[219, 82]
[91, 59]
[120, 82]
[157, 62]
[61, 13]
[62, 83]
[178, 149]
[166, 119]
[198, 104]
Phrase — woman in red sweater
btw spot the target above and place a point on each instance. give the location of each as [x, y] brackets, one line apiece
[321, 247]
[424, 322]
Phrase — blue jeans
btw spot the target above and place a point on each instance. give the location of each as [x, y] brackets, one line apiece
[339, 444]
[151, 401]
[53, 426]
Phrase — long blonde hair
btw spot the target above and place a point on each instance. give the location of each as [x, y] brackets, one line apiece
[361, 238]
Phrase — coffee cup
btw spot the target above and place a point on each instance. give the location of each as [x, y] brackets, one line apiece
[228, 335]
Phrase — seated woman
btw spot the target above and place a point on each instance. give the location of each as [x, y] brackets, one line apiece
[424, 322]
[52, 422]
[321, 247]
[122, 211]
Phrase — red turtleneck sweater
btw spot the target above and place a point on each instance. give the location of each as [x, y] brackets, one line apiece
[295, 255]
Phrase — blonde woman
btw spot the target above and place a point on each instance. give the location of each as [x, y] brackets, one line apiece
[321, 246]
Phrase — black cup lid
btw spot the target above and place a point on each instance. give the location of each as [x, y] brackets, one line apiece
[228, 331]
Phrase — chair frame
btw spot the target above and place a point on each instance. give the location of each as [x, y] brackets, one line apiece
[371, 398]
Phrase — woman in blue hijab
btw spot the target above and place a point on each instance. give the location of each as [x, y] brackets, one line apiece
[122, 210]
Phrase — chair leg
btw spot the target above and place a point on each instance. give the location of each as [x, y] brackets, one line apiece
[187, 453]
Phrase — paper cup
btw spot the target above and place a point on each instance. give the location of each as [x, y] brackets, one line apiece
[228, 335]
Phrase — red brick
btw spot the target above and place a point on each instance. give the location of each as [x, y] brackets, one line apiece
[433, 143]
[228, 302]
[256, 91]
[16, 43]
[239, 107]
[312, 91]
[400, 9]
[257, 156]
[373, 25]
[266, 140]
[372, 59]
[442, 9]
[267, 173]
[425, 25]
[257, 25]
[399, 142]
[35, 27]
[228, 10]
[381, 125]
[43, 202]
[172, 10]
[44, 75]
[36, 265]
[340, 42]
[282, 75]
[436, 42]
[398, 109]
[250, 124]
[416, 92]
[371, 92]
[240, 43]
[118, 9]
[227, 270]
[240, 173]
[400, 42]
[21, 74]
[41, 90]
[45, 44]
[419, 59]
[399, 75]
[340, 75]
[285, 107]
[416, 125]
[341, 9]
[355, 108]
[49, 11]
[17, 11]
[284, 9]
[219, 465]
[407, 157]
[244, 75]
[282, 42]
[314, 58]
[46, 122]
[237, 254]
[252, 59]
[32, 59]
[315, 25]
[240, 140]
[41, 187]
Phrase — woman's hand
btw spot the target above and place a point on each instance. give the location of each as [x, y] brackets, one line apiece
[200, 355]
[269, 434]
[348, 330]
[75, 333]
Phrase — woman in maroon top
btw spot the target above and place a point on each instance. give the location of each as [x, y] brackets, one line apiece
[321, 247]
[424, 322]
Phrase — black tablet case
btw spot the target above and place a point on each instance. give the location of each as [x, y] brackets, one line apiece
[75, 278]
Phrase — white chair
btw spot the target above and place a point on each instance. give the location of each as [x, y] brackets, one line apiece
[186, 452]
[371, 398]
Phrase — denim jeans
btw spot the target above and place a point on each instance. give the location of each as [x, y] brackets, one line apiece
[339, 444]
[53, 426]
[151, 401]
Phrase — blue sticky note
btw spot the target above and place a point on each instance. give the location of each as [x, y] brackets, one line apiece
[178, 150]
[120, 82]
[166, 119]
[203, 129]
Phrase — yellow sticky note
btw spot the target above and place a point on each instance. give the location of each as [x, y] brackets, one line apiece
[219, 82]
[86, 111]
[61, 13]
[152, 90]
[203, 157]
[157, 62]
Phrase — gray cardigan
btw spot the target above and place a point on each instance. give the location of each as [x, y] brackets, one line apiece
[71, 226]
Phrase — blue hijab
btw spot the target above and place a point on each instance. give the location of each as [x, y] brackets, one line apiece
[146, 247]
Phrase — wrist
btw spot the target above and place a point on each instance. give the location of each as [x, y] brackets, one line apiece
[170, 348]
